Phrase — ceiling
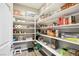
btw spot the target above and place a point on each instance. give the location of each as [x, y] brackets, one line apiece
[33, 5]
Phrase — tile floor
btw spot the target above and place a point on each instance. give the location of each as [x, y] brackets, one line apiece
[27, 53]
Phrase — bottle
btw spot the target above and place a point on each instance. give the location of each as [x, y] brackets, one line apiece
[72, 20]
[56, 33]
[66, 21]
[60, 21]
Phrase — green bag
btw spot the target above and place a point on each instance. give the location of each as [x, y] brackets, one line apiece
[38, 46]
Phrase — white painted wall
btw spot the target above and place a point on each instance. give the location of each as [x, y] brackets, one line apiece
[24, 9]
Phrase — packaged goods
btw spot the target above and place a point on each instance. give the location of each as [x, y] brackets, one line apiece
[51, 33]
[17, 12]
[67, 5]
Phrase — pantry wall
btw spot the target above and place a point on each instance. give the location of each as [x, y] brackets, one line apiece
[58, 29]
[24, 30]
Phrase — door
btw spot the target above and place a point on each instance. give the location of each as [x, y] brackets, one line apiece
[5, 30]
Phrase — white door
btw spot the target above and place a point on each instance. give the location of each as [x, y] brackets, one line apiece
[5, 30]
